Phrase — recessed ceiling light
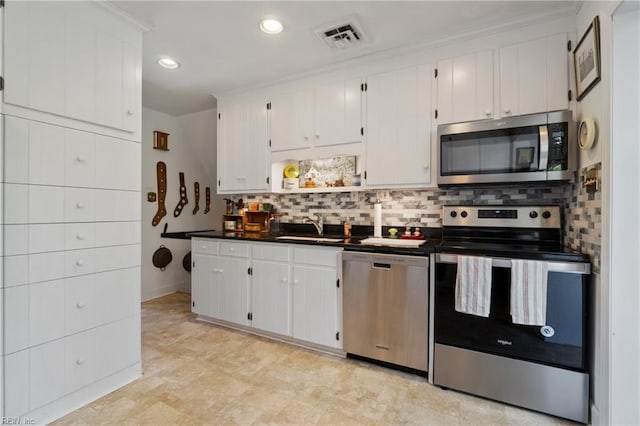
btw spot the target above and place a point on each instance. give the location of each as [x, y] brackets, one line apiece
[168, 63]
[271, 26]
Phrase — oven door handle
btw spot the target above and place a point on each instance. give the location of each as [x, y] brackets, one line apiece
[502, 262]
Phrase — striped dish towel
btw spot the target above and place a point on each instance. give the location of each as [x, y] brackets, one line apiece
[473, 285]
[529, 292]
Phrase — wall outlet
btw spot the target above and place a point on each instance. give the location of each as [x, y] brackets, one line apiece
[383, 195]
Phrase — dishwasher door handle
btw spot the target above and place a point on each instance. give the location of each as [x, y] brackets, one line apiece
[378, 265]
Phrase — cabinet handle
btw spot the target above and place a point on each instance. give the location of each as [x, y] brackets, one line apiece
[80, 158]
[80, 305]
[317, 136]
[129, 112]
[231, 249]
[221, 270]
[507, 110]
[80, 262]
[306, 138]
[284, 279]
[296, 282]
[80, 361]
[80, 205]
[426, 166]
[487, 113]
[80, 236]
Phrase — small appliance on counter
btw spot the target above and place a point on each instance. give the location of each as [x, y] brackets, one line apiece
[509, 309]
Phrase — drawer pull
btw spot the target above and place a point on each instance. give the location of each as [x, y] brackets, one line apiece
[231, 249]
[80, 236]
[80, 158]
[81, 305]
[284, 279]
[386, 348]
[80, 205]
[80, 361]
[80, 262]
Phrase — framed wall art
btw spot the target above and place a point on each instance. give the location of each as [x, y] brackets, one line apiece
[586, 60]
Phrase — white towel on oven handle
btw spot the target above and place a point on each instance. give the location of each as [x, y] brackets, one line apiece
[529, 292]
[473, 285]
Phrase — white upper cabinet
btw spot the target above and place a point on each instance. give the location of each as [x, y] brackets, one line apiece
[398, 147]
[72, 59]
[465, 88]
[242, 147]
[534, 76]
[330, 114]
[291, 120]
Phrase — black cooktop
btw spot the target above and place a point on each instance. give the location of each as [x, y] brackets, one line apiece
[533, 251]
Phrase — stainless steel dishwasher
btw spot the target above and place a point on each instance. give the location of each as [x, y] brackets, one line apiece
[385, 307]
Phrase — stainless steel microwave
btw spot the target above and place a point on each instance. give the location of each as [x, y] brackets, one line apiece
[528, 148]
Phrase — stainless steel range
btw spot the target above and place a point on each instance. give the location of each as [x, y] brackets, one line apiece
[538, 365]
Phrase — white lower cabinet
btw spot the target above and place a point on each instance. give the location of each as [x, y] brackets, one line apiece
[46, 373]
[79, 361]
[234, 283]
[315, 305]
[270, 288]
[285, 289]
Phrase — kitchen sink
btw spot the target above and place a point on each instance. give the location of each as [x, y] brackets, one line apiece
[316, 239]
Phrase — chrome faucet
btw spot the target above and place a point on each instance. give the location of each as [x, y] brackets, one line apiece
[319, 224]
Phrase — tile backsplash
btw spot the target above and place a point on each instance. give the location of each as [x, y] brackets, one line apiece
[424, 207]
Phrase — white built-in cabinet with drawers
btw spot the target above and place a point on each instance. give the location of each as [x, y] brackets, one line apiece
[291, 291]
[71, 206]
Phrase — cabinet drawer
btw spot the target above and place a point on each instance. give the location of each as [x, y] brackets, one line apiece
[79, 304]
[274, 251]
[79, 361]
[204, 246]
[79, 159]
[78, 205]
[234, 249]
[316, 256]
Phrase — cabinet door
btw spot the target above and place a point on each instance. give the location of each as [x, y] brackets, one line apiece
[254, 146]
[398, 127]
[315, 305]
[270, 302]
[465, 88]
[338, 113]
[229, 147]
[204, 286]
[534, 76]
[234, 304]
[291, 120]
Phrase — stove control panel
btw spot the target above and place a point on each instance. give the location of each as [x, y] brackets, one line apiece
[503, 216]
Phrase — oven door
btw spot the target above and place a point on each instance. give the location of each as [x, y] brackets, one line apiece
[561, 342]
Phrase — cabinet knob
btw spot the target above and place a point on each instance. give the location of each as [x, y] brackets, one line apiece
[507, 110]
[80, 305]
[487, 113]
[284, 279]
[80, 158]
[231, 249]
[80, 361]
[80, 262]
[80, 205]
[296, 281]
[317, 136]
[306, 138]
[80, 236]
[129, 112]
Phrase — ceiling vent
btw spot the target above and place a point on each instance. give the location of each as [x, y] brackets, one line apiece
[342, 36]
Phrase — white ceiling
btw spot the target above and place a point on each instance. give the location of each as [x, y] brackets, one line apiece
[221, 49]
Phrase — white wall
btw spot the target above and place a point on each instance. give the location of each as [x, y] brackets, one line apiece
[192, 148]
[625, 208]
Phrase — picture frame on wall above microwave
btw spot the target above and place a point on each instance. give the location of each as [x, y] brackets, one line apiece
[586, 60]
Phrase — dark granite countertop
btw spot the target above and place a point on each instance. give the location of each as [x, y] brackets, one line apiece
[359, 233]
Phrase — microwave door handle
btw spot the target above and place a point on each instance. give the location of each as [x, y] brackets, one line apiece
[544, 147]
